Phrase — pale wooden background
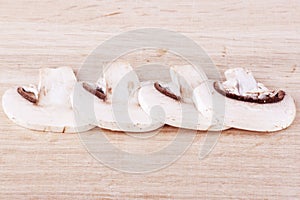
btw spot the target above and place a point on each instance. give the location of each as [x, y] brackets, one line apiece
[263, 36]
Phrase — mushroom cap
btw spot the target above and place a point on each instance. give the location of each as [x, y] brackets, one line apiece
[266, 117]
[54, 112]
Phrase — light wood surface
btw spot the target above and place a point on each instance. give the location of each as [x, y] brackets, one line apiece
[263, 36]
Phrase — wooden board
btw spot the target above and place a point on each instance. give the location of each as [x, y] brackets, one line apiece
[263, 36]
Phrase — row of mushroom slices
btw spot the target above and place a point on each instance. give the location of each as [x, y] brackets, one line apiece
[118, 101]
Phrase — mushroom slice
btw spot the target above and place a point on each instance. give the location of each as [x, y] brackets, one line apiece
[46, 108]
[172, 103]
[120, 109]
[250, 105]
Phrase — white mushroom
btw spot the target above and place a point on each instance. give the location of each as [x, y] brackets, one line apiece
[46, 108]
[115, 103]
[177, 105]
[250, 105]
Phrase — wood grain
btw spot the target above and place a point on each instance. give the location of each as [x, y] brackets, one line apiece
[263, 36]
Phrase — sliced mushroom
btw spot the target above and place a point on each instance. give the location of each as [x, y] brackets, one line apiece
[46, 108]
[177, 109]
[120, 109]
[250, 105]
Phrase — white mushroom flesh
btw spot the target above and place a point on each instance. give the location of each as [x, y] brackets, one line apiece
[186, 78]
